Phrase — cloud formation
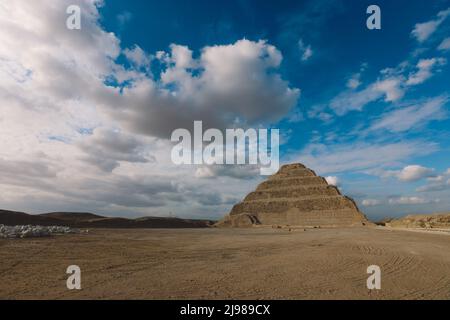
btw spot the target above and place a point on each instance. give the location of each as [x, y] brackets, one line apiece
[436, 183]
[415, 116]
[227, 85]
[413, 173]
[370, 202]
[359, 156]
[424, 70]
[422, 31]
[410, 200]
[333, 180]
[390, 86]
[445, 44]
[106, 148]
[305, 50]
[86, 132]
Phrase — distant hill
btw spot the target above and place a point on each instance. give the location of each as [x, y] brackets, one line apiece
[80, 216]
[436, 220]
[20, 218]
[90, 220]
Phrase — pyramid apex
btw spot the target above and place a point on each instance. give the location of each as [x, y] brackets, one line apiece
[292, 166]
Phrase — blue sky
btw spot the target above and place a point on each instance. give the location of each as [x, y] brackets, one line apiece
[342, 46]
[366, 108]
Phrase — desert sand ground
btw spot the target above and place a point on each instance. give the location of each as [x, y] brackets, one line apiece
[258, 263]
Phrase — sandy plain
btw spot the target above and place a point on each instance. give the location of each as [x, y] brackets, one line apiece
[254, 263]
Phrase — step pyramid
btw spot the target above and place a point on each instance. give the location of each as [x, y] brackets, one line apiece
[295, 196]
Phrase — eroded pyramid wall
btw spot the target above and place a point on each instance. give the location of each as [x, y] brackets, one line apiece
[295, 196]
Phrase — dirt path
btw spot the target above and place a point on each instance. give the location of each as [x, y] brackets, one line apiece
[229, 264]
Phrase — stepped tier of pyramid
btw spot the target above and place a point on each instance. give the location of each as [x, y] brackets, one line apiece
[295, 196]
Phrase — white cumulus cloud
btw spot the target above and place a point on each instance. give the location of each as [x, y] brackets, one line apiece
[414, 173]
[333, 180]
[409, 173]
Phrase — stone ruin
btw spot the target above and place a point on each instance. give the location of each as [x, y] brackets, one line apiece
[295, 196]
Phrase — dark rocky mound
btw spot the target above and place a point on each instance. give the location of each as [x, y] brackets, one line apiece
[90, 220]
